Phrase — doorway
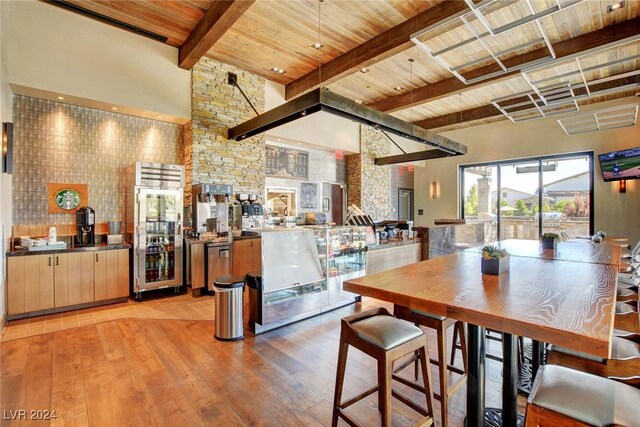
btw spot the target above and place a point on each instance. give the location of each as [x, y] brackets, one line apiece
[405, 204]
[333, 202]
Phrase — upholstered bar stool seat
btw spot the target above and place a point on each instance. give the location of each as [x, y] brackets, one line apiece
[624, 362]
[563, 396]
[440, 324]
[386, 339]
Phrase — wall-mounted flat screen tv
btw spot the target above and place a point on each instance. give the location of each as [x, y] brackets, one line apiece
[619, 165]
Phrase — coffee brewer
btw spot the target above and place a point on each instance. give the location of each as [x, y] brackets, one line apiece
[85, 226]
[252, 212]
[210, 205]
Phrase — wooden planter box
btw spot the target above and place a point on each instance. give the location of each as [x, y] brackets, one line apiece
[495, 266]
[549, 243]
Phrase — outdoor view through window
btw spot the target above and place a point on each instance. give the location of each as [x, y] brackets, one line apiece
[506, 196]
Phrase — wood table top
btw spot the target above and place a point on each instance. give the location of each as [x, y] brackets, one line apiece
[578, 250]
[561, 302]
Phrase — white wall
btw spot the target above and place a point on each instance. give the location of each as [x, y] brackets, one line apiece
[5, 179]
[618, 214]
[55, 50]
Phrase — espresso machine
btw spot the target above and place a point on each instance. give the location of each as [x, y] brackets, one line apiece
[210, 206]
[85, 226]
[252, 212]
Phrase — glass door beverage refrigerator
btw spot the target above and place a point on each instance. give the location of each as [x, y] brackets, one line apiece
[154, 225]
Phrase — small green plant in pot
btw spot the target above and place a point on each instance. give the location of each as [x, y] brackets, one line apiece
[549, 240]
[494, 260]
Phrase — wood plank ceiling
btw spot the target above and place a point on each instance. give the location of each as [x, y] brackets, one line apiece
[376, 34]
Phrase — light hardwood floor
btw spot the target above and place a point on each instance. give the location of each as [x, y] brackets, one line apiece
[148, 367]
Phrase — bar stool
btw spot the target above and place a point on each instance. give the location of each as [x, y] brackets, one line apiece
[624, 362]
[627, 317]
[440, 324]
[386, 339]
[563, 396]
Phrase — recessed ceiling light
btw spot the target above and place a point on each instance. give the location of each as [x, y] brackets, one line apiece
[159, 117]
[278, 70]
[615, 6]
[61, 98]
[358, 101]
[317, 45]
[364, 70]
[398, 88]
[114, 108]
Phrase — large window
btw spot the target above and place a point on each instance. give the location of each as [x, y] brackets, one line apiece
[521, 199]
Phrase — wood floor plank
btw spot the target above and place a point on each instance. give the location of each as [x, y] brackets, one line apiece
[68, 398]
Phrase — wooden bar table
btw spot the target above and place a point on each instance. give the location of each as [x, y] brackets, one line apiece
[573, 250]
[561, 302]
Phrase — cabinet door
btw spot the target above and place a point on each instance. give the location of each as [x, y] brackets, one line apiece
[123, 272]
[44, 286]
[16, 283]
[75, 277]
[256, 255]
[242, 257]
[61, 280]
[87, 291]
[100, 276]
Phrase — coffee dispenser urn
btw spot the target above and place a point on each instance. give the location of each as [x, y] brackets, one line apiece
[85, 226]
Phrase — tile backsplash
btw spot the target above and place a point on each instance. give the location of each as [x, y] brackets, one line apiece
[62, 143]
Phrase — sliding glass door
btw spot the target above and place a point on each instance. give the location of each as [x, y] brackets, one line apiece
[521, 199]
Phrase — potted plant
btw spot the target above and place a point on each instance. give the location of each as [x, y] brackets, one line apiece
[494, 260]
[549, 240]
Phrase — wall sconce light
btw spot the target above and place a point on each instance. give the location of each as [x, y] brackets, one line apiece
[434, 190]
[623, 186]
[7, 147]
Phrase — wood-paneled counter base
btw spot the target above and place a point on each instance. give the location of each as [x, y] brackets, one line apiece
[54, 281]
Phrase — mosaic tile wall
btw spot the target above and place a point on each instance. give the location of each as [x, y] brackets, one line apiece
[61, 143]
[323, 166]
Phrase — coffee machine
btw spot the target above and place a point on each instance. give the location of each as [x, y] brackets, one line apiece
[210, 205]
[252, 212]
[85, 226]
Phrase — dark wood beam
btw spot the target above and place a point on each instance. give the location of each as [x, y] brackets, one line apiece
[382, 46]
[216, 21]
[410, 157]
[323, 100]
[453, 85]
[489, 111]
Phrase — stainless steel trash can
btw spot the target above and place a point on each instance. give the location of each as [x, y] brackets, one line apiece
[229, 314]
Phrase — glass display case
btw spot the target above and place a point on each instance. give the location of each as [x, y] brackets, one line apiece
[302, 274]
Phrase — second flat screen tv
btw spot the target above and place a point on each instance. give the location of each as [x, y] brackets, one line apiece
[619, 165]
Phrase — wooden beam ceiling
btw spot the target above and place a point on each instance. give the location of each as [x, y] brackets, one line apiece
[382, 46]
[563, 49]
[216, 21]
[488, 111]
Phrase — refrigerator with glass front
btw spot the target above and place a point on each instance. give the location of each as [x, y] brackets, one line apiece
[154, 225]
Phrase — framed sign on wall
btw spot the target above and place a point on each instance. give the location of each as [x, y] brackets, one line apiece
[66, 198]
[287, 163]
[308, 195]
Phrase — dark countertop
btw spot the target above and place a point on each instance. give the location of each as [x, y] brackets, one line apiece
[393, 243]
[71, 248]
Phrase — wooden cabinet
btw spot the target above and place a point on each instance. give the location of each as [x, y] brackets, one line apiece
[30, 283]
[66, 279]
[247, 256]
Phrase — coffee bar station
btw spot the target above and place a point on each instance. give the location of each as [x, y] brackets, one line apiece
[297, 262]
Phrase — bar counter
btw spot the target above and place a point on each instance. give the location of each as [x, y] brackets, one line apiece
[69, 249]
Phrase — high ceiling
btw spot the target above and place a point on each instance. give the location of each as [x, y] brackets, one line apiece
[437, 63]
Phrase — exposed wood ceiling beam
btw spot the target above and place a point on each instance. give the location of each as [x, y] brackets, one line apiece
[489, 111]
[382, 46]
[410, 157]
[453, 85]
[216, 21]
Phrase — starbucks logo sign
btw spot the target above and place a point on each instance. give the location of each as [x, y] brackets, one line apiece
[67, 199]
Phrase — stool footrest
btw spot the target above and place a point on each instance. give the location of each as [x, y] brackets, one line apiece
[410, 403]
[408, 383]
[359, 397]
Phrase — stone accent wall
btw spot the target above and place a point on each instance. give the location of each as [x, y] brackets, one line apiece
[323, 166]
[354, 180]
[372, 184]
[216, 107]
[62, 143]
[187, 143]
